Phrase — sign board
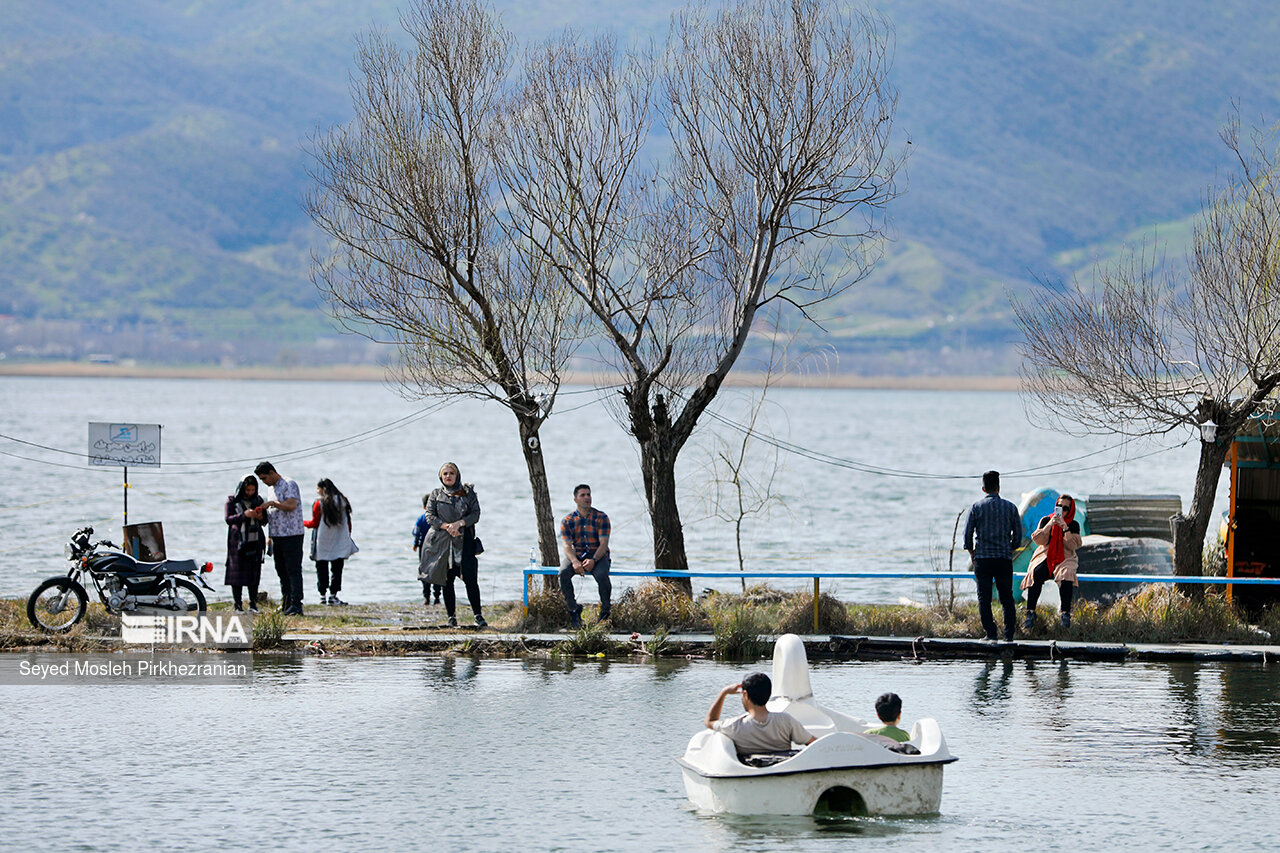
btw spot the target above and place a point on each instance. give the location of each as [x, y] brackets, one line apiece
[124, 445]
[194, 630]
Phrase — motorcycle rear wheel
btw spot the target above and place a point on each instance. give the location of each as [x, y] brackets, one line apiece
[189, 592]
[57, 605]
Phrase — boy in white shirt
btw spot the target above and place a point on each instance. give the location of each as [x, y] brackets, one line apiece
[758, 730]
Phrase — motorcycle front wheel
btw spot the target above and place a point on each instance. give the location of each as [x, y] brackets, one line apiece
[57, 605]
[188, 592]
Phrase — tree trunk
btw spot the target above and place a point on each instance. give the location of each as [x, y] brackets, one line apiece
[1189, 530]
[658, 460]
[548, 544]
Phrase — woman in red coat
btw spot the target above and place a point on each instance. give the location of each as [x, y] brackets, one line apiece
[1057, 537]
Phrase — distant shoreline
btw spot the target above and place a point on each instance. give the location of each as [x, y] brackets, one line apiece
[375, 373]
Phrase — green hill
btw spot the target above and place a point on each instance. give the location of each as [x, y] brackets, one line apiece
[152, 160]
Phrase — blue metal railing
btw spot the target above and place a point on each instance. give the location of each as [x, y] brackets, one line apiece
[819, 576]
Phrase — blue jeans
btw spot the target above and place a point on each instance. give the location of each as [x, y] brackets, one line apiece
[600, 572]
[989, 570]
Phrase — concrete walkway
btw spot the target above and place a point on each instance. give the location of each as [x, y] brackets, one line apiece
[824, 647]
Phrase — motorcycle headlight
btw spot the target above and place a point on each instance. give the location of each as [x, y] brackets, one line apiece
[66, 551]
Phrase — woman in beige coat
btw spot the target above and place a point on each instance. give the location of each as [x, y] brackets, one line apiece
[1057, 537]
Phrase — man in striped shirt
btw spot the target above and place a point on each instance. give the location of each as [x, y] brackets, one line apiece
[992, 533]
[584, 535]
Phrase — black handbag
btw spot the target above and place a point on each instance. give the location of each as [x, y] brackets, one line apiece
[478, 547]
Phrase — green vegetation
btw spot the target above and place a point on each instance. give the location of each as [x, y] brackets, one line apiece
[1160, 614]
[741, 625]
[269, 629]
[739, 630]
[90, 635]
[591, 639]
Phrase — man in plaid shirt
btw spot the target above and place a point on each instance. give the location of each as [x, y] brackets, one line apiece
[584, 535]
[997, 528]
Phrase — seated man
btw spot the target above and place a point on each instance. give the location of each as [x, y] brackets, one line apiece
[584, 535]
[889, 710]
[758, 730]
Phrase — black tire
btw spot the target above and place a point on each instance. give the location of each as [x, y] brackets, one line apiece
[189, 592]
[1128, 556]
[57, 605]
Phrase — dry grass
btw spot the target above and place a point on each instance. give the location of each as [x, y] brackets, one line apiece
[1269, 621]
[1161, 614]
[657, 605]
[1154, 614]
[96, 632]
[892, 620]
[795, 615]
[546, 613]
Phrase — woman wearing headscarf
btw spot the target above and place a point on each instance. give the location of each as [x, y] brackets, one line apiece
[1057, 537]
[245, 513]
[449, 549]
[331, 539]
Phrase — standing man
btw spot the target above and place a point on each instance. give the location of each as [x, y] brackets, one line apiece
[584, 535]
[284, 515]
[996, 525]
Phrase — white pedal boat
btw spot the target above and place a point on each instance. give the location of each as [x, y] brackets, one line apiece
[843, 772]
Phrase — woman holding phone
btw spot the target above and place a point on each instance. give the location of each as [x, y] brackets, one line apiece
[1057, 537]
[245, 515]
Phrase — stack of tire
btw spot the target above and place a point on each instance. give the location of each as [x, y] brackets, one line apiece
[1120, 555]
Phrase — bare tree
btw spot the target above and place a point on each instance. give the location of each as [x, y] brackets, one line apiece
[422, 250]
[740, 479]
[742, 468]
[741, 485]
[774, 191]
[1144, 353]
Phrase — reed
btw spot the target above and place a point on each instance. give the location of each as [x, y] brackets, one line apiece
[657, 605]
[738, 630]
[546, 612]
[1153, 614]
[795, 615]
[591, 639]
[896, 620]
[659, 643]
[268, 630]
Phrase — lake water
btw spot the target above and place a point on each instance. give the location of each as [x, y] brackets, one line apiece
[834, 518]
[437, 753]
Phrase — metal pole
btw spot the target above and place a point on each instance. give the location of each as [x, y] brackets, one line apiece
[126, 494]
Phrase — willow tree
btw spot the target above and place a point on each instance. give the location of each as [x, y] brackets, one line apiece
[774, 191]
[421, 250]
[1148, 350]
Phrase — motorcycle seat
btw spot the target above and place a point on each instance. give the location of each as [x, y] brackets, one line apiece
[125, 564]
[175, 567]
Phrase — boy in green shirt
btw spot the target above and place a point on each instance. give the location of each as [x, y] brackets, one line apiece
[889, 710]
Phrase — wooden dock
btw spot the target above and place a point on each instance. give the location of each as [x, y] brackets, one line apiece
[817, 646]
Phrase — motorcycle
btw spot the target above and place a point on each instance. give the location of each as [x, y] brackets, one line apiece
[124, 585]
